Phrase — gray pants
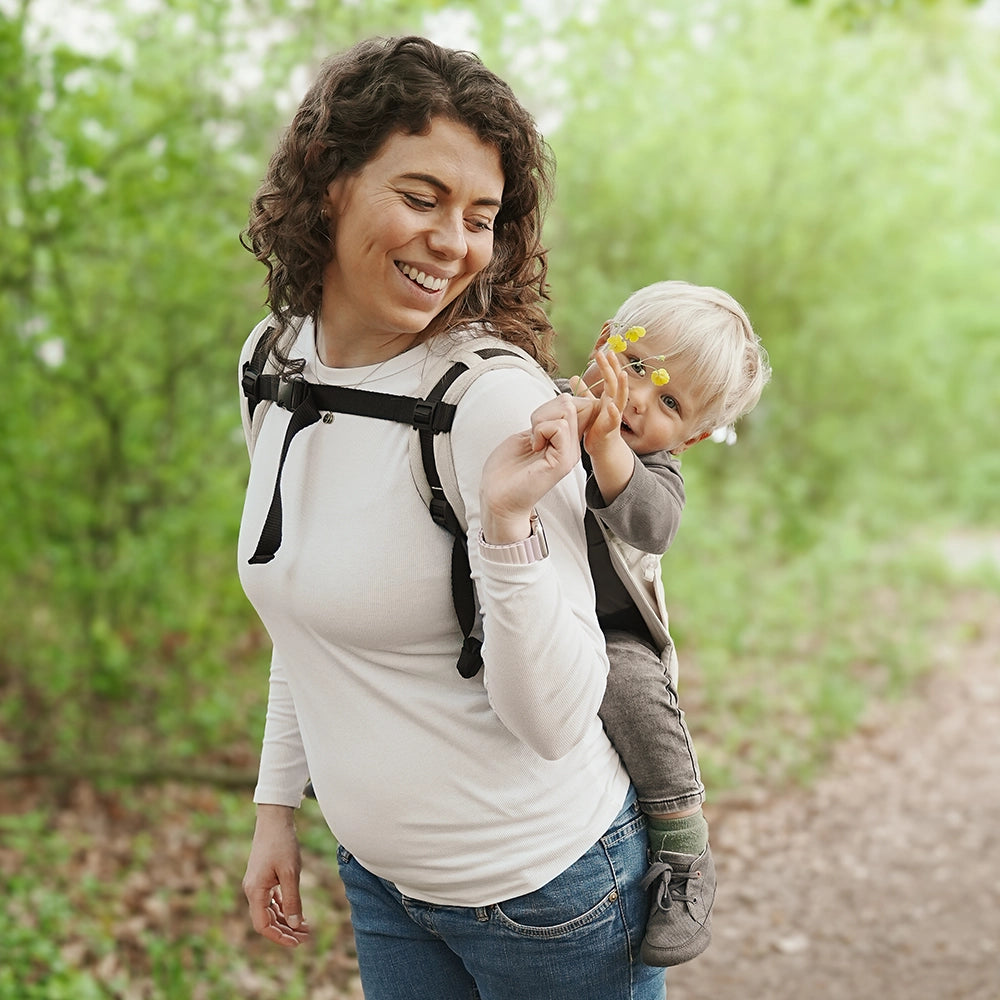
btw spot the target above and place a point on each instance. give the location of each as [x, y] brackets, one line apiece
[643, 720]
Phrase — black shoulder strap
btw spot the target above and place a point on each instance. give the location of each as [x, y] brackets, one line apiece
[428, 416]
[254, 369]
[462, 591]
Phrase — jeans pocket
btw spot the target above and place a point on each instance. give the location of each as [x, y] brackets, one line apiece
[580, 896]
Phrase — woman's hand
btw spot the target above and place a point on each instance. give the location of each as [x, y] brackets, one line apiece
[271, 883]
[524, 467]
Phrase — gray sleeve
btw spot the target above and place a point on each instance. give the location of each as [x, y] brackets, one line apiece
[647, 513]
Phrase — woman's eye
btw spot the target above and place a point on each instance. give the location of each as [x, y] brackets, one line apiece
[480, 225]
[418, 202]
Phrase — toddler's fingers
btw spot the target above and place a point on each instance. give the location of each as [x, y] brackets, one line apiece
[621, 390]
[580, 388]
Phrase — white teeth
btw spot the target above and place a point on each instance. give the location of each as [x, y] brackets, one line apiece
[424, 280]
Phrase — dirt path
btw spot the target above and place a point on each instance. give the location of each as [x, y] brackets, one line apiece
[881, 882]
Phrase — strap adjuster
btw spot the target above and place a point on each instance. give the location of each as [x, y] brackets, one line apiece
[249, 381]
[439, 507]
[423, 414]
[291, 393]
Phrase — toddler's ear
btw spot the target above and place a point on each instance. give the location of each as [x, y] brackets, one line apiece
[603, 338]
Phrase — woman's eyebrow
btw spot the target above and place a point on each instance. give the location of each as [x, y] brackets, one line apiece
[436, 182]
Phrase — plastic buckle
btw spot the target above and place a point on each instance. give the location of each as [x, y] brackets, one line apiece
[292, 393]
[423, 415]
[249, 381]
[439, 508]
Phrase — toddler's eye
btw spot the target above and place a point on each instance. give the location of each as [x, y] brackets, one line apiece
[636, 366]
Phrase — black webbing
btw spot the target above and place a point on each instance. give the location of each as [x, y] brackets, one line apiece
[462, 590]
[464, 598]
[270, 535]
[307, 400]
[429, 416]
[254, 368]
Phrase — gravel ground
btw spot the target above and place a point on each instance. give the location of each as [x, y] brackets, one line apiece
[882, 880]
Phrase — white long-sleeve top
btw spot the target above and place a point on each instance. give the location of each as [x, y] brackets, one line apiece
[460, 791]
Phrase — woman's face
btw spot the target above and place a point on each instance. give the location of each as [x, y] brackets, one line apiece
[411, 231]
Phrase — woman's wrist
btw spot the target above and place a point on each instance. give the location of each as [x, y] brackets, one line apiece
[275, 816]
[520, 552]
[504, 529]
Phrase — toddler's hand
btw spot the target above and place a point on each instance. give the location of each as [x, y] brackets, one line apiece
[605, 423]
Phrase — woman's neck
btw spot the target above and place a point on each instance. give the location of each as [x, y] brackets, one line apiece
[360, 352]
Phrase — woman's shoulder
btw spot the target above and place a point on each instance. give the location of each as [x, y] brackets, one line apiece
[475, 356]
[294, 337]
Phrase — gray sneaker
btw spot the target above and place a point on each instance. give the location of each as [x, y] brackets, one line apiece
[680, 916]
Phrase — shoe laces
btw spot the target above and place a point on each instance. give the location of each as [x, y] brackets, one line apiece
[672, 884]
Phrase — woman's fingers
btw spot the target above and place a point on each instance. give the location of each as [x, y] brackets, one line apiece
[289, 929]
[576, 411]
[271, 882]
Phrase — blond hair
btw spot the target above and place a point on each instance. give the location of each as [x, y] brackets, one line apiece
[709, 330]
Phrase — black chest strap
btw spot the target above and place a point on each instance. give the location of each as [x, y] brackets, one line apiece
[428, 416]
[308, 400]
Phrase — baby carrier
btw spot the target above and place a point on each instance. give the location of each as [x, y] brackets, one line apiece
[430, 414]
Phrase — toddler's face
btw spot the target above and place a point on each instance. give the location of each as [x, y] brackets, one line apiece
[658, 417]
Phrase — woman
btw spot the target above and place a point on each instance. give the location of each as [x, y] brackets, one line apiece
[403, 204]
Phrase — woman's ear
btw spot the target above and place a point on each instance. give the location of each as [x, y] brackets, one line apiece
[332, 202]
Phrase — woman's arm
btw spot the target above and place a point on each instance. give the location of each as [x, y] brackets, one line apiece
[271, 883]
[545, 665]
[284, 770]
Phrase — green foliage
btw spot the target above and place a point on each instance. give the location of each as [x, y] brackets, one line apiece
[832, 163]
[98, 905]
[782, 653]
[841, 186]
[808, 169]
[121, 306]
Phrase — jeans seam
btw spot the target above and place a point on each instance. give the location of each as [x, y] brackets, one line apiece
[620, 899]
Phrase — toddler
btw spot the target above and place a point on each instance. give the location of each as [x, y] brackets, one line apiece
[677, 362]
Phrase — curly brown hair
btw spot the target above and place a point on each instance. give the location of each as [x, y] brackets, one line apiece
[359, 99]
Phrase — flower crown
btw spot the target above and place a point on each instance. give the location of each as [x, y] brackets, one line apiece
[619, 341]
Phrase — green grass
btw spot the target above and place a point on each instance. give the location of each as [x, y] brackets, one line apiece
[123, 891]
[135, 893]
[780, 654]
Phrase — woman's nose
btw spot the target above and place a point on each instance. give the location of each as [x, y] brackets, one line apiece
[447, 237]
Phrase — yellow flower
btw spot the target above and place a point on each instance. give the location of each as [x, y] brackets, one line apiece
[617, 343]
[633, 333]
[660, 377]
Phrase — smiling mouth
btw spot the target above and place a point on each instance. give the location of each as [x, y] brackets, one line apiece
[426, 281]
[627, 427]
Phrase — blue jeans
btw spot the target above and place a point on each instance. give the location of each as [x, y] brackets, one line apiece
[576, 938]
